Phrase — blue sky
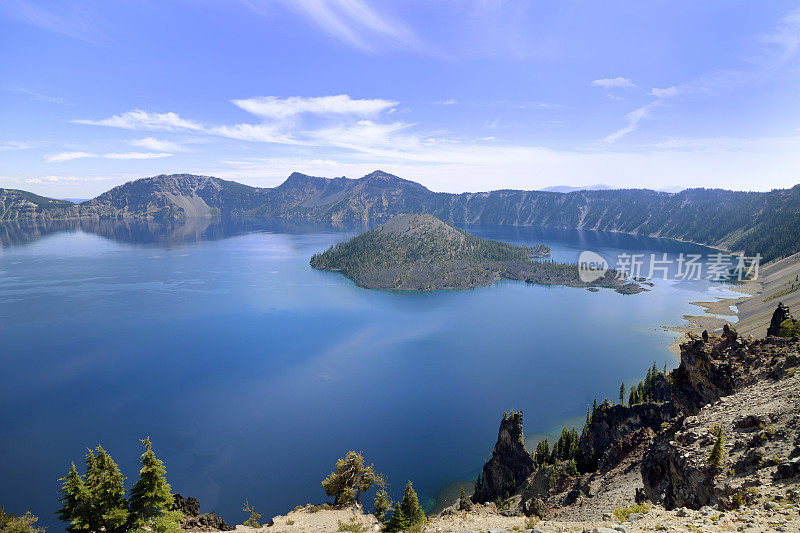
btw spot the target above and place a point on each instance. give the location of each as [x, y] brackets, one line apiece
[458, 95]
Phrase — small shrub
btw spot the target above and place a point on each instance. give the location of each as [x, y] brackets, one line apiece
[352, 525]
[11, 523]
[623, 513]
[253, 519]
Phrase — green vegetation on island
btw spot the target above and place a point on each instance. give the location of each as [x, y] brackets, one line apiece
[420, 252]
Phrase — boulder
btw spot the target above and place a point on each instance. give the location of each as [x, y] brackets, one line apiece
[781, 313]
[193, 520]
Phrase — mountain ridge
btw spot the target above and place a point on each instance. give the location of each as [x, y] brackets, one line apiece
[752, 222]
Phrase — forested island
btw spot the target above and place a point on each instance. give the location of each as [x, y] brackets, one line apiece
[419, 252]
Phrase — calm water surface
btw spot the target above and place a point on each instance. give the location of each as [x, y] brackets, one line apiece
[252, 373]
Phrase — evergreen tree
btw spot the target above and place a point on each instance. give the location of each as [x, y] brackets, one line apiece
[542, 452]
[408, 512]
[383, 505]
[75, 502]
[106, 486]
[717, 455]
[476, 493]
[151, 496]
[622, 394]
[350, 479]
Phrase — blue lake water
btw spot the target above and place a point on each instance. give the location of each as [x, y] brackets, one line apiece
[252, 372]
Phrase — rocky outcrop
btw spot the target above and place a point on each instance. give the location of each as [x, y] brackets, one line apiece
[710, 368]
[611, 423]
[758, 418]
[193, 520]
[781, 313]
[509, 465]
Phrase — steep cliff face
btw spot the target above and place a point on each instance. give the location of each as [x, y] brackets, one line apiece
[611, 423]
[509, 465]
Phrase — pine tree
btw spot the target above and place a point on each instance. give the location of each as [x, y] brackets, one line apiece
[151, 495]
[543, 452]
[74, 502]
[476, 493]
[350, 479]
[105, 483]
[383, 505]
[622, 394]
[717, 455]
[408, 512]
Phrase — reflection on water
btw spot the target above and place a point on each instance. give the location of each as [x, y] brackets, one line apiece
[159, 233]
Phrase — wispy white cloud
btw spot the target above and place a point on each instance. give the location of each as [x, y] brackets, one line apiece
[272, 107]
[66, 18]
[664, 93]
[143, 120]
[158, 145]
[15, 145]
[69, 156]
[449, 101]
[39, 97]
[136, 155]
[633, 119]
[356, 24]
[60, 179]
[786, 36]
[265, 133]
[730, 144]
[608, 83]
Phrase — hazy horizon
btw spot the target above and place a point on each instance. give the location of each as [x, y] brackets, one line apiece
[458, 96]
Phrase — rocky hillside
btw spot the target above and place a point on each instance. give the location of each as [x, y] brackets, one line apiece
[22, 205]
[764, 223]
[719, 436]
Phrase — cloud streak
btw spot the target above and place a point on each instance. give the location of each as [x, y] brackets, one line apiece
[142, 120]
[70, 156]
[65, 18]
[356, 24]
[272, 107]
[608, 83]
